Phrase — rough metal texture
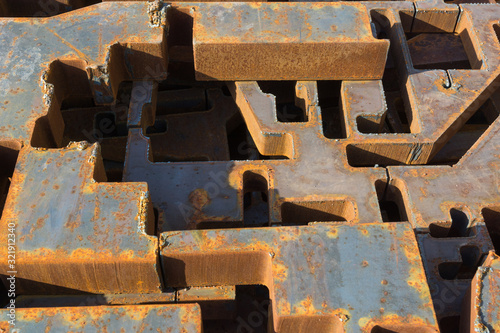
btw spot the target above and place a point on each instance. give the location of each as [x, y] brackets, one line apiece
[102, 226]
[480, 310]
[312, 273]
[133, 318]
[345, 153]
[275, 41]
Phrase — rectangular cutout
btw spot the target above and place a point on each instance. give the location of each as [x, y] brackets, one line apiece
[284, 92]
[8, 157]
[491, 217]
[331, 113]
[437, 51]
[391, 202]
[303, 212]
[255, 200]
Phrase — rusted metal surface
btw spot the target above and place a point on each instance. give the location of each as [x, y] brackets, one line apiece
[304, 291]
[275, 41]
[27, 8]
[481, 308]
[444, 51]
[450, 262]
[346, 154]
[134, 318]
[100, 43]
[456, 93]
[95, 243]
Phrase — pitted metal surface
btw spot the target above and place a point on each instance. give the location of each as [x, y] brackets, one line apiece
[250, 167]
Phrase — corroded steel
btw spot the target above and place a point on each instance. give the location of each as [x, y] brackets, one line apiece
[348, 161]
[273, 41]
[306, 291]
[99, 42]
[94, 243]
[132, 318]
[481, 308]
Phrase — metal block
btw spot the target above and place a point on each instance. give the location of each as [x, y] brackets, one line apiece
[86, 43]
[480, 311]
[65, 241]
[240, 41]
[435, 16]
[346, 154]
[206, 293]
[138, 318]
[341, 260]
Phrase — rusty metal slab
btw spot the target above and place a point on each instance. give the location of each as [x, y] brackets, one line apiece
[108, 43]
[28, 8]
[74, 232]
[139, 318]
[363, 204]
[322, 278]
[450, 263]
[438, 51]
[430, 132]
[481, 311]
[457, 93]
[206, 293]
[192, 194]
[272, 41]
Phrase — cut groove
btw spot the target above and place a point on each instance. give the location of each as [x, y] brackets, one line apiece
[458, 227]
[303, 212]
[8, 157]
[391, 201]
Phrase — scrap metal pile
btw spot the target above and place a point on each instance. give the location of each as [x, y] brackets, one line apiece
[250, 167]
